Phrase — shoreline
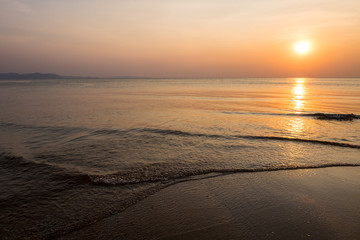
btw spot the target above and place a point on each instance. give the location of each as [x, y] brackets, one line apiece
[317, 203]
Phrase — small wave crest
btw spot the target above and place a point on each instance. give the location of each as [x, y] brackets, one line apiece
[138, 177]
[338, 117]
[178, 133]
[231, 137]
[13, 160]
[41, 169]
[322, 142]
[146, 174]
[49, 128]
[320, 116]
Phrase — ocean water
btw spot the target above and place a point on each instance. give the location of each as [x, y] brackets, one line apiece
[75, 151]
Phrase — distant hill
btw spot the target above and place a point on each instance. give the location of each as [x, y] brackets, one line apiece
[18, 76]
[11, 76]
[14, 76]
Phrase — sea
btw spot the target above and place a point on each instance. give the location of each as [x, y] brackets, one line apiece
[75, 151]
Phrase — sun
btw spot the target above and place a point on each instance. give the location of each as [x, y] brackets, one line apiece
[302, 47]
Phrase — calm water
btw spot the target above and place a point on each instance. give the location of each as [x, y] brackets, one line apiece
[75, 151]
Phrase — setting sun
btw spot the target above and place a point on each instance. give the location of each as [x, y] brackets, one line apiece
[302, 47]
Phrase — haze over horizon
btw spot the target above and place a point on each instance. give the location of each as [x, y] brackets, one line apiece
[201, 38]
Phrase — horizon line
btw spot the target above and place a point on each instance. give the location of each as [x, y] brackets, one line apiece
[167, 77]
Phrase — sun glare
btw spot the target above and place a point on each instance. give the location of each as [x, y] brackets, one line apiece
[302, 47]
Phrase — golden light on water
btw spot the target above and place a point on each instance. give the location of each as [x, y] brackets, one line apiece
[299, 105]
[296, 126]
[298, 94]
[302, 47]
[299, 91]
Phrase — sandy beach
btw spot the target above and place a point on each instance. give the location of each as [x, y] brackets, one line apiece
[292, 204]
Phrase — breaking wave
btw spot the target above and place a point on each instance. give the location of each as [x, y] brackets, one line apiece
[68, 134]
[151, 173]
[138, 177]
[231, 137]
[320, 116]
[53, 172]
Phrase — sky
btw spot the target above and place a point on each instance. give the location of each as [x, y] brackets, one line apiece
[181, 38]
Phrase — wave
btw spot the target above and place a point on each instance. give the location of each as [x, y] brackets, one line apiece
[71, 134]
[231, 137]
[27, 180]
[37, 127]
[322, 142]
[320, 116]
[180, 133]
[12, 161]
[40, 169]
[338, 117]
[138, 177]
[94, 132]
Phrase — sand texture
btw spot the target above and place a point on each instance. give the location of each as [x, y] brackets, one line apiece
[292, 204]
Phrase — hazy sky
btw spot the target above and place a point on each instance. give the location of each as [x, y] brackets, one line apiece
[181, 38]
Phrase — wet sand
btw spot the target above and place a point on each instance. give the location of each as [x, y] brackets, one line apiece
[292, 204]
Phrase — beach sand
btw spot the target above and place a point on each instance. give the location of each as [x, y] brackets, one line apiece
[290, 204]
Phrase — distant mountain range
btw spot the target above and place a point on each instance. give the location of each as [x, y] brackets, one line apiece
[13, 76]
[26, 76]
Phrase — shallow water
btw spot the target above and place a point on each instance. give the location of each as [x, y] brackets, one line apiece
[75, 151]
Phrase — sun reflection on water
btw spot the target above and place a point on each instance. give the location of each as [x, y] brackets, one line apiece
[296, 126]
[298, 95]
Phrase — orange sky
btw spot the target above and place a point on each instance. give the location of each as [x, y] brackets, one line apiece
[166, 38]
